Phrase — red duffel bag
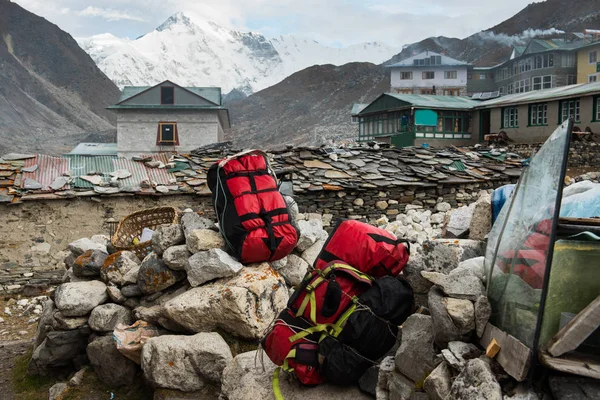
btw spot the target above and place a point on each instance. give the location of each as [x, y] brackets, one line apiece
[252, 213]
[369, 249]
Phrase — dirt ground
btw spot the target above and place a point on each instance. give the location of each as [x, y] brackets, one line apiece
[9, 352]
[18, 325]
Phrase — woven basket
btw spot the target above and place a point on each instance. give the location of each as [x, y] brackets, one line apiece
[131, 227]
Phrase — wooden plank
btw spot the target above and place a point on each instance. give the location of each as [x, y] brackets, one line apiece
[513, 356]
[573, 363]
[576, 331]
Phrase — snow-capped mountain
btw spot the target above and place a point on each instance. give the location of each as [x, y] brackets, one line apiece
[194, 52]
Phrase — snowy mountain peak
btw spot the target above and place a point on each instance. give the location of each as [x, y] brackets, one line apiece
[193, 51]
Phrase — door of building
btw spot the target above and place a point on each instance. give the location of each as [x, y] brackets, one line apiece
[485, 123]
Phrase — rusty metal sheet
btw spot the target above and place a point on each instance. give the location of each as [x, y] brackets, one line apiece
[49, 168]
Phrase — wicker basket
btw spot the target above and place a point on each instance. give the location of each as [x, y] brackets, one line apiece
[131, 227]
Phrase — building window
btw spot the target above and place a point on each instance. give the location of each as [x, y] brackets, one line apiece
[406, 75]
[569, 108]
[596, 109]
[568, 60]
[593, 57]
[542, 82]
[543, 61]
[538, 114]
[426, 91]
[501, 90]
[522, 86]
[454, 122]
[510, 117]
[167, 95]
[510, 88]
[428, 75]
[450, 92]
[167, 134]
[571, 79]
[592, 78]
[482, 76]
[450, 74]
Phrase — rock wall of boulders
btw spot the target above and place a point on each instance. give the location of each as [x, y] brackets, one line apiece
[370, 205]
[36, 232]
[581, 154]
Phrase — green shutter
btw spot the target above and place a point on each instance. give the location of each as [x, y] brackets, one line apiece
[502, 118]
[595, 109]
[529, 116]
[560, 106]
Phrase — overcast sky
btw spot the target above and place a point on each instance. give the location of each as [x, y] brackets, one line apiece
[333, 22]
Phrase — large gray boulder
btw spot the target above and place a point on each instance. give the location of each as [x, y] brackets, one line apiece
[177, 257]
[155, 276]
[45, 323]
[62, 323]
[190, 221]
[460, 287]
[118, 266]
[243, 306]
[60, 349]
[113, 369]
[476, 381]
[444, 255]
[249, 376]
[310, 232]
[167, 236]
[203, 240]
[483, 312]
[481, 220]
[80, 246]
[444, 328]
[462, 313]
[459, 222]
[293, 269]
[105, 317]
[416, 357]
[310, 255]
[185, 363]
[438, 383]
[212, 264]
[77, 299]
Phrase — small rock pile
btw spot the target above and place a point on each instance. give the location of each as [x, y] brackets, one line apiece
[188, 287]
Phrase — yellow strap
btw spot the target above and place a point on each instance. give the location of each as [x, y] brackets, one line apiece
[309, 331]
[276, 389]
[337, 327]
[286, 366]
[313, 307]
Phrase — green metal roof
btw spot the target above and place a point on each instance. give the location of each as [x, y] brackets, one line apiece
[543, 95]
[212, 94]
[164, 107]
[83, 165]
[130, 91]
[95, 149]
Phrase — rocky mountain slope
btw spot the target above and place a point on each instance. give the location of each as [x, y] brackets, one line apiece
[52, 95]
[194, 52]
[311, 106]
[301, 113]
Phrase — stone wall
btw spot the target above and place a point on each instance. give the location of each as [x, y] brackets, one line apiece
[581, 154]
[35, 233]
[371, 205]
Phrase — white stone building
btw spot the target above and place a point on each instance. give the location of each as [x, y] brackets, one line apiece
[168, 118]
[429, 73]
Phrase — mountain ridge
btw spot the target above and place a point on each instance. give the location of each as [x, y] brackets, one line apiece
[197, 52]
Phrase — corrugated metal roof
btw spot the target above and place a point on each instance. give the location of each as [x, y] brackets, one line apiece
[165, 107]
[434, 101]
[130, 91]
[139, 171]
[543, 95]
[95, 149]
[49, 168]
[83, 165]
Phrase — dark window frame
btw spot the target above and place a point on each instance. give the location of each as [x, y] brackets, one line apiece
[161, 95]
[159, 138]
